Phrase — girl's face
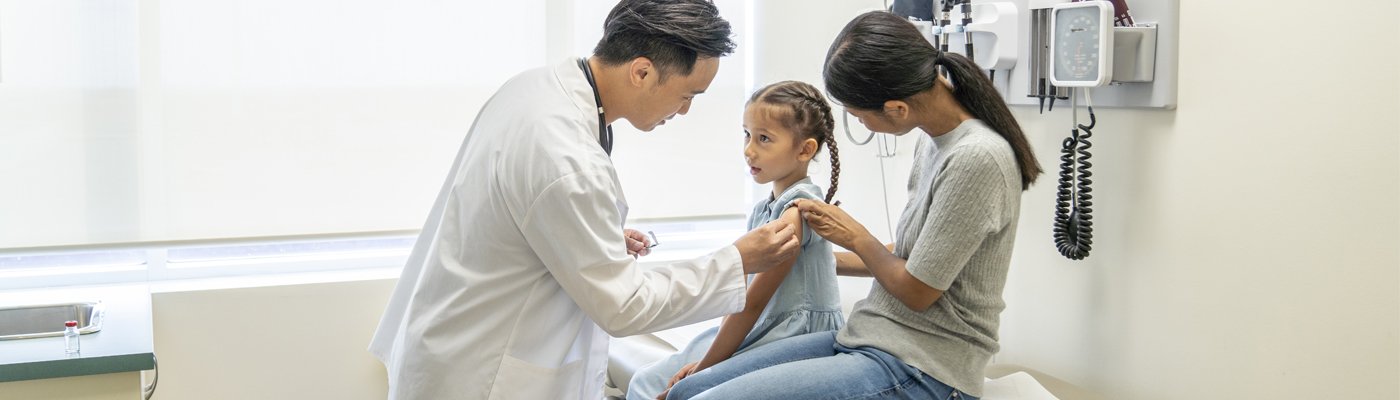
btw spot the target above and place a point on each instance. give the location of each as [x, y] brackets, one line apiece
[773, 151]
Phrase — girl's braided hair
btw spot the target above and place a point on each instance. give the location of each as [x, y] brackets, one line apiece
[804, 109]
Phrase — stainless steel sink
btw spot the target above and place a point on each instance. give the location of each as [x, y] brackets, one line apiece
[35, 321]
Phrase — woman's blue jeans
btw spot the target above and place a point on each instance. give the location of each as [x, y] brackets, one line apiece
[813, 366]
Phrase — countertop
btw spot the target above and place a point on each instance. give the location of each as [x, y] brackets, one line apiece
[124, 343]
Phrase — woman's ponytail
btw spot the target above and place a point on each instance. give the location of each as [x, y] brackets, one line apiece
[979, 96]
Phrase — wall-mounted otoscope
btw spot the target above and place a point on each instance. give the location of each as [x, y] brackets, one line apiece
[990, 32]
[966, 8]
[1039, 85]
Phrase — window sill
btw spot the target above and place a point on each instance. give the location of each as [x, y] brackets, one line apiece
[279, 262]
[282, 279]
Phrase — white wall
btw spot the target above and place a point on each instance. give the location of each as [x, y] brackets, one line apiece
[304, 341]
[1245, 243]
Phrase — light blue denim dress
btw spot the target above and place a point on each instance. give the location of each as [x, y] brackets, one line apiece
[807, 301]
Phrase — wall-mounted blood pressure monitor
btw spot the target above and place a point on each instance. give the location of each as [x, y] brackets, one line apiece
[1081, 49]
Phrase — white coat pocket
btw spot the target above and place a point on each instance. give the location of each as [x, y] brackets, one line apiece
[519, 379]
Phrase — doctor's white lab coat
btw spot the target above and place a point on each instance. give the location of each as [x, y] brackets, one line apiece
[521, 271]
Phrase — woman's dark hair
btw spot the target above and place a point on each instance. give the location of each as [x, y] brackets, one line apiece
[802, 108]
[671, 33]
[880, 57]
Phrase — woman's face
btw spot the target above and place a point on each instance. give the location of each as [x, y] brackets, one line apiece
[880, 121]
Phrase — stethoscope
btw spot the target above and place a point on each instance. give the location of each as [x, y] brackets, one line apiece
[605, 133]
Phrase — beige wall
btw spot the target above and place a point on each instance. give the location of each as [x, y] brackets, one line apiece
[115, 386]
[282, 342]
[1246, 243]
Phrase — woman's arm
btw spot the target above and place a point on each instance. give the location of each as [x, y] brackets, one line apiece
[737, 326]
[889, 270]
[832, 223]
[849, 264]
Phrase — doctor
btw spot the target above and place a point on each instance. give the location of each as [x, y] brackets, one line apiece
[523, 270]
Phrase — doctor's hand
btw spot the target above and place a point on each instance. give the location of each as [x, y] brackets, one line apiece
[832, 223]
[774, 243]
[637, 243]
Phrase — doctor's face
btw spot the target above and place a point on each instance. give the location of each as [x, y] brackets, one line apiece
[663, 100]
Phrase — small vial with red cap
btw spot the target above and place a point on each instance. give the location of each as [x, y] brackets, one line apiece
[70, 338]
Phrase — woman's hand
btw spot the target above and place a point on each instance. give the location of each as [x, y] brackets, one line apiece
[832, 223]
[685, 371]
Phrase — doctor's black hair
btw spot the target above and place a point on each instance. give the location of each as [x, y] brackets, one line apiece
[802, 108]
[880, 57]
[671, 33]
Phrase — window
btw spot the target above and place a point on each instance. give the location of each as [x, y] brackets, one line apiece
[166, 139]
[139, 121]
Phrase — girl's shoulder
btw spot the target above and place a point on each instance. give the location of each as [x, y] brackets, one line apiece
[802, 190]
[769, 209]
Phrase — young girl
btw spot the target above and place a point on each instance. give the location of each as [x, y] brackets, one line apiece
[785, 124]
[929, 326]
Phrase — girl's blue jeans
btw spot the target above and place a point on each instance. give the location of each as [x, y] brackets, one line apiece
[813, 366]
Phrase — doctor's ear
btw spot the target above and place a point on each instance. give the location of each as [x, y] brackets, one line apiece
[639, 70]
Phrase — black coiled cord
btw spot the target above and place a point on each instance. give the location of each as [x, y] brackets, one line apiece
[1074, 225]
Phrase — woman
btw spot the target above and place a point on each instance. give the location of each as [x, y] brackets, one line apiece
[929, 326]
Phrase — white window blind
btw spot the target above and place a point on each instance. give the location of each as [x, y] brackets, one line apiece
[150, 120]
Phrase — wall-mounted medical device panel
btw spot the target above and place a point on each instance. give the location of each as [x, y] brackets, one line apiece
[1141, 63]
[995, 34]
[991, 26]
